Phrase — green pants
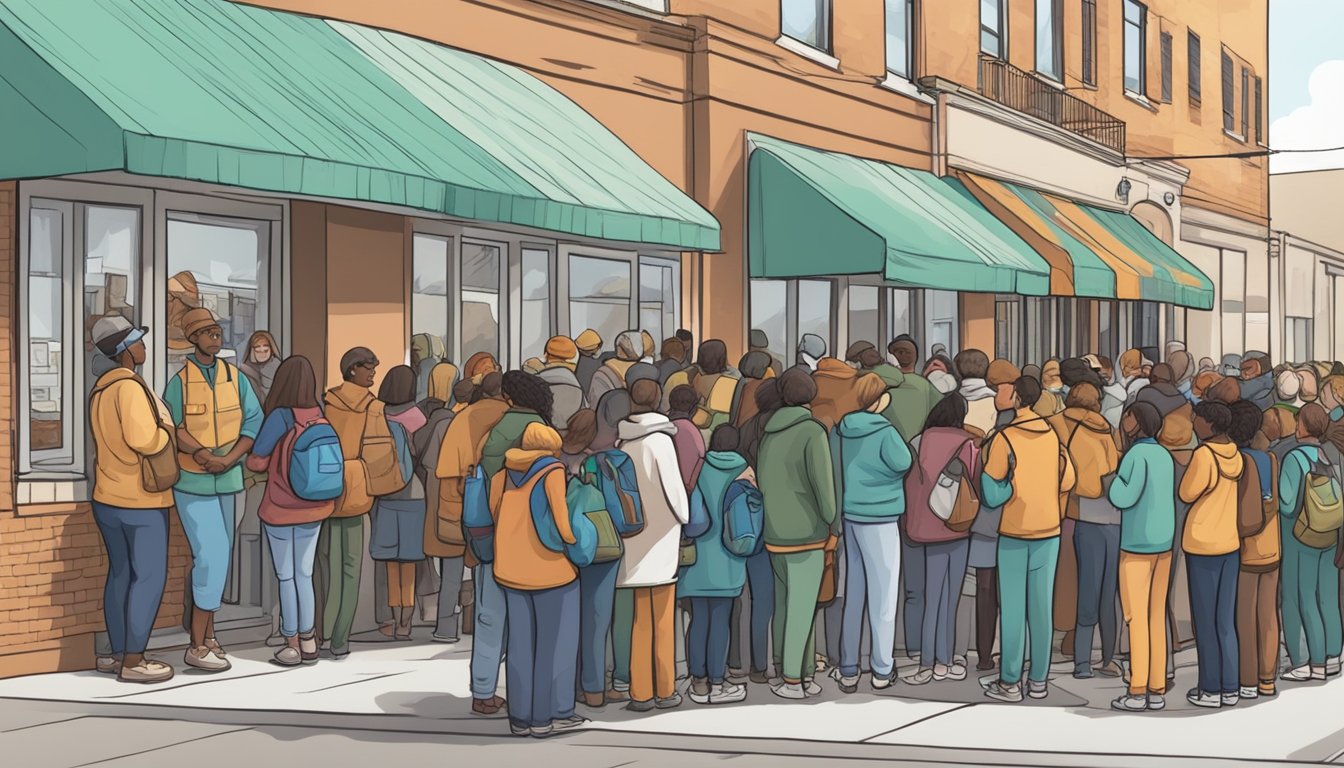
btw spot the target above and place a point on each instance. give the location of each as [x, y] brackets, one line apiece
[1026, 603]
[1310, 589]
[797, 585]
[343, 545]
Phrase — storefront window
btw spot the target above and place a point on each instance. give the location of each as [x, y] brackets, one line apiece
[480, 283]
[1007, 327]
[536, 309]
[864, 319]
[940, 309]
[769, 314]
[1145, 333]
[214, 263]
[814, 310]
[1300, 335]
[430, 311]
[901, 311]
[658, 298]
[599, 297]
[49, 366]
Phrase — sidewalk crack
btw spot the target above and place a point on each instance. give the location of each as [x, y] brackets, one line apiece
[159, 748]
[917, 722]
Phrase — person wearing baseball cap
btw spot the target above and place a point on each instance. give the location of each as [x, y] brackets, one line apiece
[130, 424]
[218, 415]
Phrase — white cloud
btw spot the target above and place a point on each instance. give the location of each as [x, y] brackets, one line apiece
[1319, 124]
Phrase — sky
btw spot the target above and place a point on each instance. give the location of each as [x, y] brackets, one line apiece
[1306, 82]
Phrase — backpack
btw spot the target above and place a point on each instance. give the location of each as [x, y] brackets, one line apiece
[697, 525]
[477, 519]
[716, 404]
[405, 459]
[386, 462]
[587, 501]
[613, 473]
[311, 454]
[743, 519]
[1322, 513]
[584, 548]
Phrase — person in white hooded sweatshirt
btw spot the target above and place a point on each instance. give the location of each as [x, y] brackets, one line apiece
[649, 568]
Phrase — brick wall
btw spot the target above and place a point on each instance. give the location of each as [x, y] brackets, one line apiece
[52, 565]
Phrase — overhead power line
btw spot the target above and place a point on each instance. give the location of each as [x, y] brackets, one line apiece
[1246, 154]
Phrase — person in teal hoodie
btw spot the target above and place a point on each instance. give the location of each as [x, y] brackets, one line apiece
[1144, 490]
[871, 460]
[716, 578]
[797, 481]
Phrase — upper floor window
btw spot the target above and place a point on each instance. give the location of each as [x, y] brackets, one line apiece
[1229, 106]
[1259, 112]
[1050, 39]
[1192, 53]
[1245, 102]
[991, 28]
[900, 22]
[1166, 67]
[807, 21]
[1090, 42]
[1136, 46]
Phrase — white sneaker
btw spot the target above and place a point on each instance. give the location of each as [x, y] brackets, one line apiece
[727, 693]
[921, 677]
[789, 691]
[1204, 699]
[1300, 675]
[1129, 703]
[205, 659]
[1249, 692]
[1332, 666]
[957, 671]
[847, 684]
[811, 688]
[1231, 699]
[940, 672]
[882, 683]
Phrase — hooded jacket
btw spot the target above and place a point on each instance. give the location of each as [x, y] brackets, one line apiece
[1262, 551]
[506, 434]
[836, 394]
[1144, 491]
[716, 572]
[566, 391]
[436, 429]
[937, 447]
[871, 461]
[521, 561]
[127, 420]
[347, 408]
[690, 446]
[797, 480]
[912, 397]
[651, 556]
[410, 417]
[439, 389]
[981, 412]
[460, 450]
[1178, 430]
[1210, 488]
[1031, 485]
[611, 374]
[1094, 450]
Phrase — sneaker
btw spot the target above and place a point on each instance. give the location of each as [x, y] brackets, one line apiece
[289, 656]
[641, 706]
[214, 645]
[727, 693]
[542, 731]
[1111, 669]
[204, 659]
[1206, 700]
[940, 672]
[108, 665]
[1268, 690]
[1156, 702]
[759, 678]
[848, 684]
[737, 674]
[921, 677]
[789, 691]
[1332, 666]
[670, 702]
[519, 730]
[1249, 692]
[1010, 694]
[1038, 690]
[1318, 672]
[1128, 703]
[882, 683]
[957, 671]
[1231, 699]
[1300, 675]
[989, 680]
[811, 688]
[146, 672]
[1082, 672]
[568, 723]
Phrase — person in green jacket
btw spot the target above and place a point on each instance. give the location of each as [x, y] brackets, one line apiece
[530, 401]
[1144, 490]
[797, 481]
[912, 396]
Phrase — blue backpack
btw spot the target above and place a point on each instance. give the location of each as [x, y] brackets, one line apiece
[316, 466]
[586, 501]
[698, 522]
[584, 548]
[477, 520]
[401, 439]
[743, 519]
[614, 474]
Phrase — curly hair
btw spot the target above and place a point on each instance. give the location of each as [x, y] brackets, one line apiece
[527, 390]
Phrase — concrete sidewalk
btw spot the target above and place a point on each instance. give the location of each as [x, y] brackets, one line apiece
[424, 688]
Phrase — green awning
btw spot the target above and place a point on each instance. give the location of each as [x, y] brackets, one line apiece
[812, 212]
[219, 92]
[1164, 274]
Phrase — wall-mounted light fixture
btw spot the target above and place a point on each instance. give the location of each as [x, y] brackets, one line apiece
[1169, 198]
[1122, 190]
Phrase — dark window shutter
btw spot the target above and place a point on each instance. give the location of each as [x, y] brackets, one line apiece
[1259, 112]
[1193, 54]
[1245, 102]
[1229, 109]
[1166, 67]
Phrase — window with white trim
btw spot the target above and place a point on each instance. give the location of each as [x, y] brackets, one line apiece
[1050, 39]
[807, 21]
[900, 26]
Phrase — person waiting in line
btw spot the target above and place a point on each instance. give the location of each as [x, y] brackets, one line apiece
[903, 352]
[672, 358]
[1261, 553]
[912, 396]
[715, 386]
[689, 440]
[261, 362]
[756, 369]
[291, 524]
[558, 373]
[217, 416]
[589, 344]
[397, 530]
[530, 401]
[450, 555]
[611, 374]
[758, 341]
[131, 428]
[811, 348]
[760, 595]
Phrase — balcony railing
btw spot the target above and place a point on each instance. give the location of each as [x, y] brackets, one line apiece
[1027, 93]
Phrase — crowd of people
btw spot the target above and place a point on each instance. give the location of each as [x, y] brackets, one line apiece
[593, 497]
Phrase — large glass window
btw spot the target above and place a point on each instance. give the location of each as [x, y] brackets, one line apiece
[814, 310]
[431, 311]
[769, 314]
[807, 21]
[1049, 39]
[1136, 46]
[940, 326]
[599, 296]
[658, 298]
[865, 323]
[50, 369]
[480, 297]
[1008, 327]
[901, 308]
[536, 297]
[991, 28]
[215, 263]
[900, 23]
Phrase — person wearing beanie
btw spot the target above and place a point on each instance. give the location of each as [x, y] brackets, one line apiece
[611, 374]
[1206, 364]
[836, 395]
[871, 460]
[132, 431]
[938, 370]
[1261, 554]
[755, 368]
[1027, 472]
[213, 436]
[904, 352]
[540, 586]
[478, 365]
[759, 342]
[811, 349]
[673, 355]
[1200, 385]
[798, 482]
[1231, 366]
[558, 372]
[1226, 390]
[912, 396]
[649, 568]
[589, 344]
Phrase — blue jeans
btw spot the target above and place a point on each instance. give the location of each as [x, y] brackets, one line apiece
[1026, 606]
[490, 632]
[915, 607]
[1098, 548]
[707, 638]
[761, 583]
[293, 550]
[543, 654]
[137, 570]
[208, 523]
[597, 601]
[1213, 601]
[943, 575]
[872, 571]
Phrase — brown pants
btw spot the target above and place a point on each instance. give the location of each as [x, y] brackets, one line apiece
[1144, 580]
[986, 614]
[653, 649]
[1258, 626]
[400, 584]
[1066, 582]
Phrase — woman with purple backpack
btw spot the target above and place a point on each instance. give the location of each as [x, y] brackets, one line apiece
[291, 522]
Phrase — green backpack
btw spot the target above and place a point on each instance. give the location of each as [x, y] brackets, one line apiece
[1322, 512]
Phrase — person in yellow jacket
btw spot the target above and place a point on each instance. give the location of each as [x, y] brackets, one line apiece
[129, 424]
[1026, 472]
[217, 415]
[1212, 553]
